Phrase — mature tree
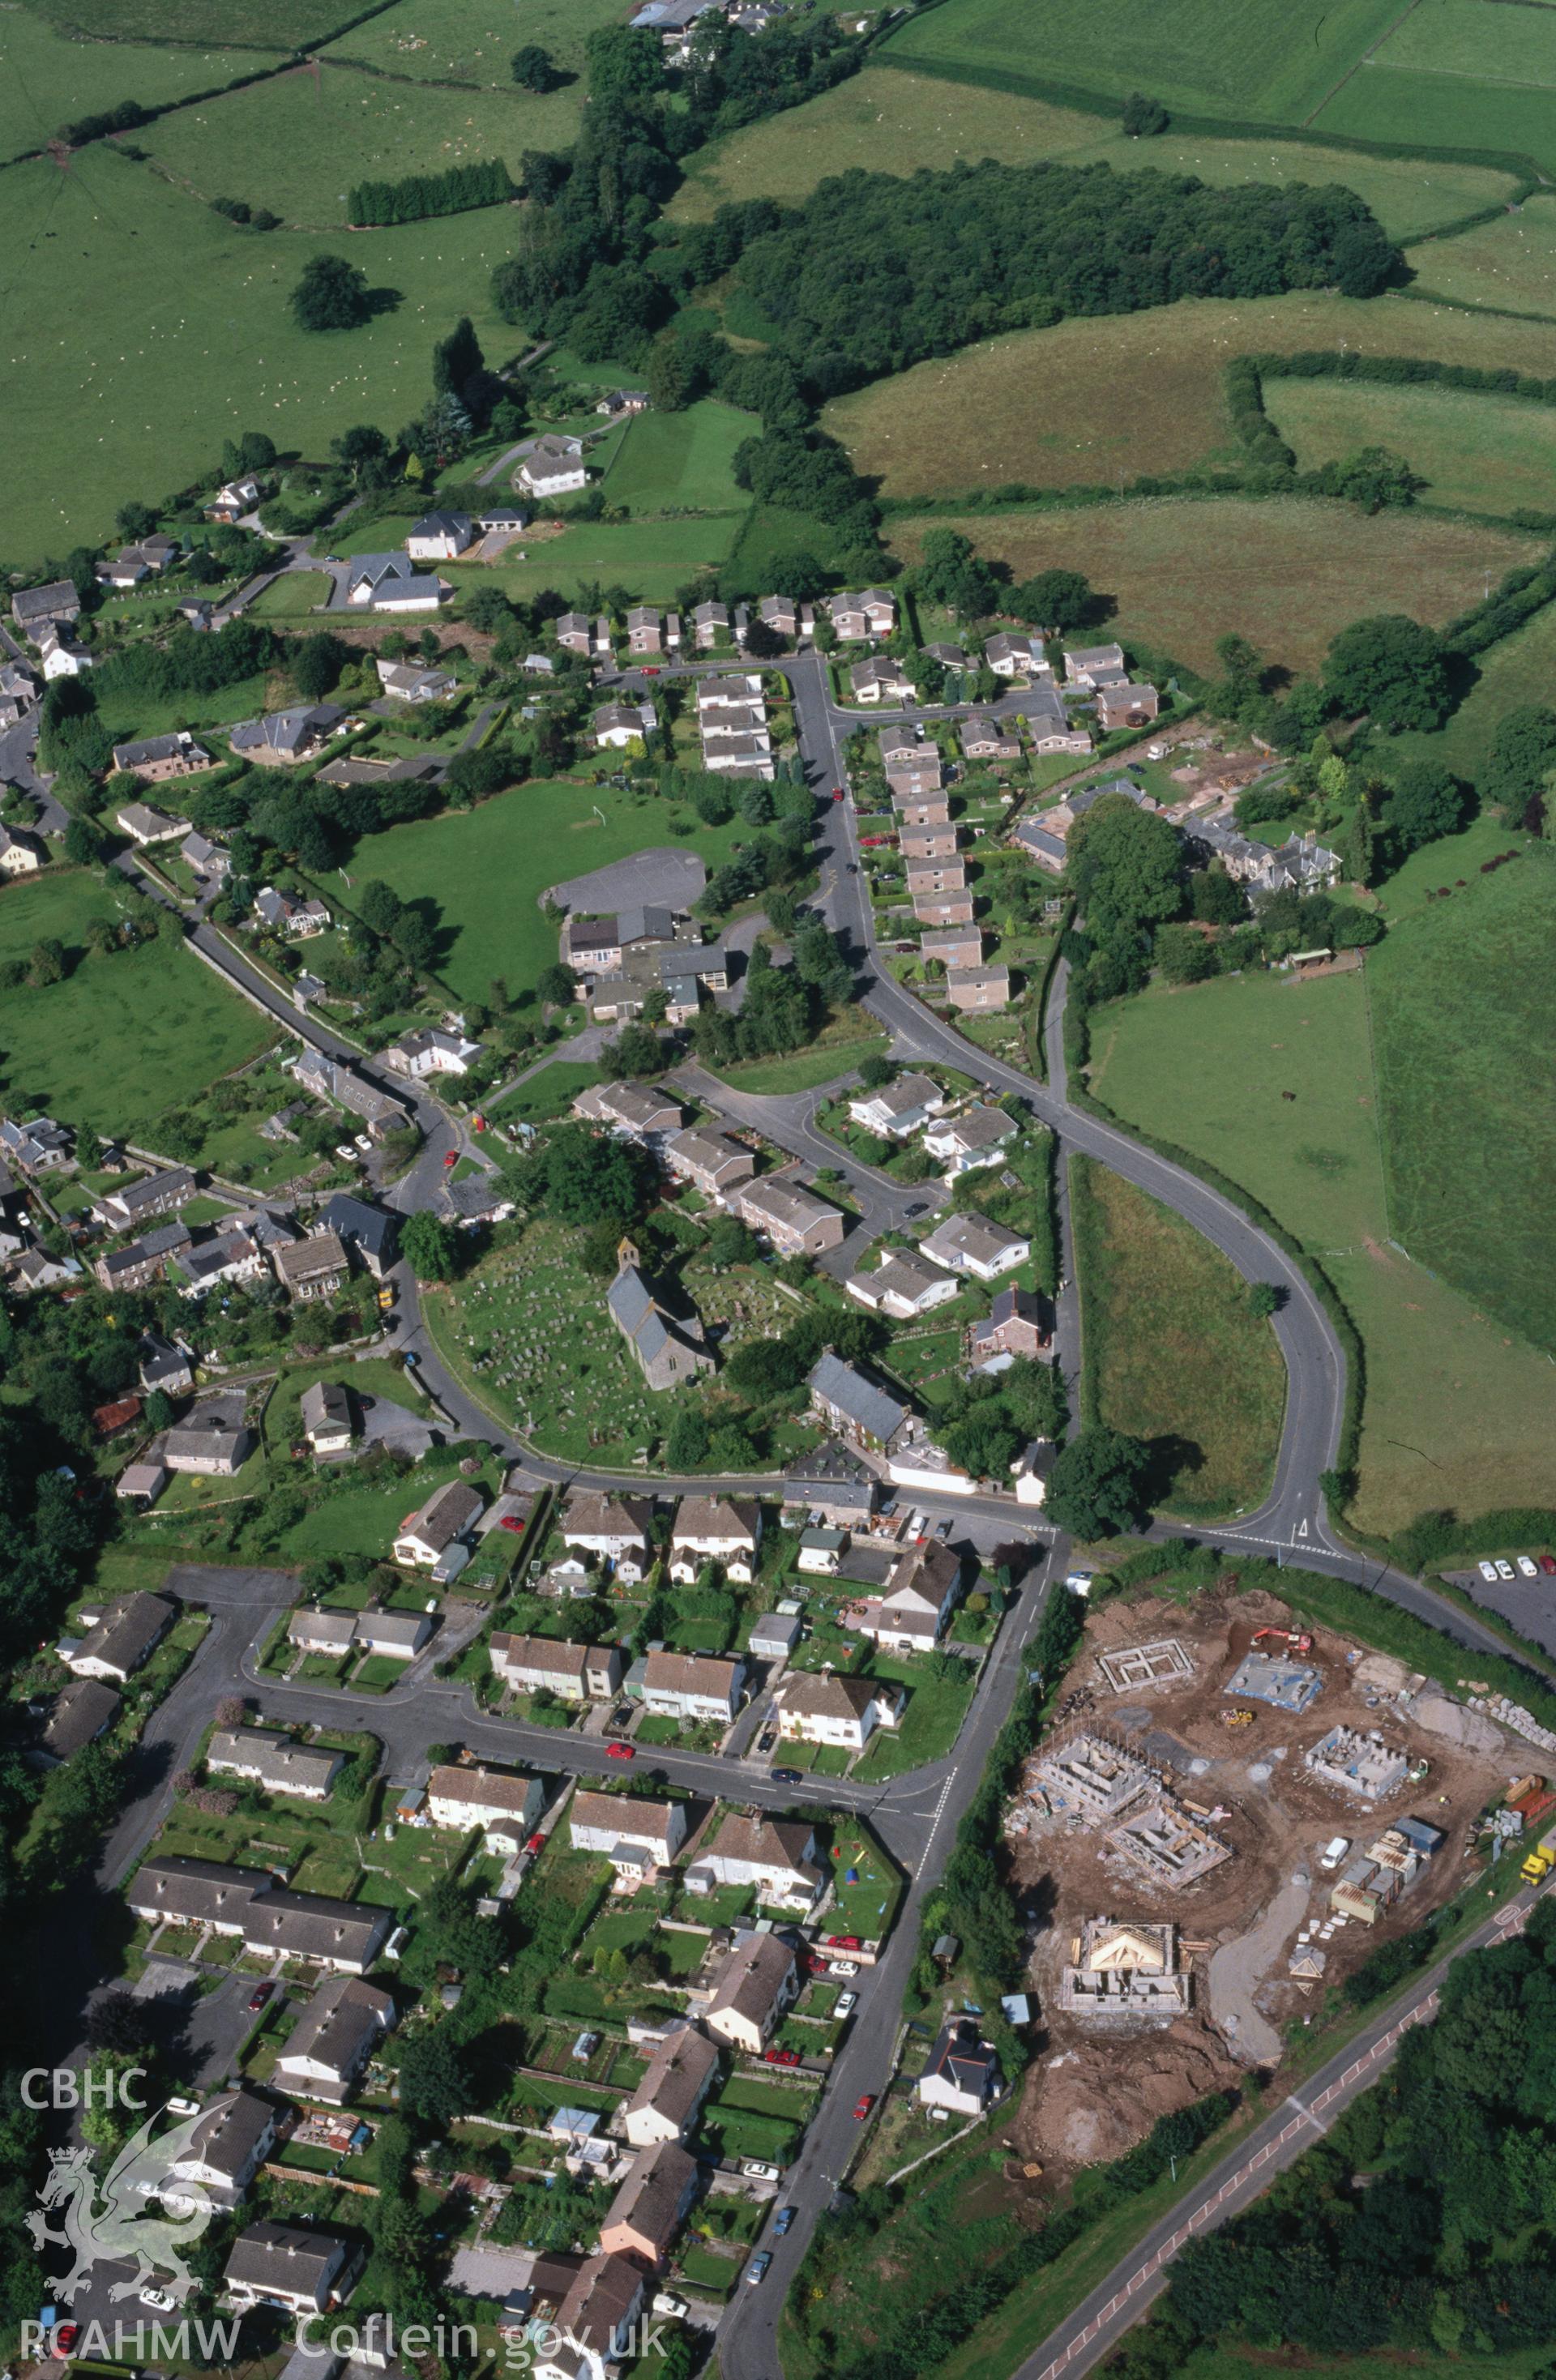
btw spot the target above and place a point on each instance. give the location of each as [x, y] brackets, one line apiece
[1216, 898]
[332, 296]
[317, 662]
[1126, 867]
[1375, 480]
[667, 380]
[1055, 600]
[876, 1070]
[488, 611]
[636, 1050]
[764, 643]
[430, 1247]
[534, 68]
[363, 450]
[1521, 764]
[586, 1181]
[1265, 1298]
[731, 1242]
[83, 845]
[1144, 116]
[1097, 1486]
[1184, 955]
[556, 986]
[954, 574]
[1392, 667]
[625, 65]
[686, 1445]
[378, 905]
[1426, 802]
[985, 1443]
[134, 520]
[434, 2079]
[762, 1368]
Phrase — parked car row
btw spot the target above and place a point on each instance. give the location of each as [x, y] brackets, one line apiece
[1527, 1566]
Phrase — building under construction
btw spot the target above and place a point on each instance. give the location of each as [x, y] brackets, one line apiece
[1165, 1846]
[1124, 1971]
[1362, 1765]
[1087, 1779]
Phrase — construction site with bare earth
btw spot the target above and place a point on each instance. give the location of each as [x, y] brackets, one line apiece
[1227, 1816]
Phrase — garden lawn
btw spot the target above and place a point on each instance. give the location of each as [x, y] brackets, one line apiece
[1204, 1070]
[651, 557]
[481, 872]
[1287, 571]
[867, 1905]
[842, 1046]
[124, 1036]
[1482, 454]
[292, 596]
[1265, 62]
[173, 326]
[1097, 400]
[1510, 261]
[681, 460]
[548, 1094]
[931, 1723]
[887, 120]
[1172, 1353]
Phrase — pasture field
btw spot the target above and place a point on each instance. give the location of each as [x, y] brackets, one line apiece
[1262, 61]
[1447, 75]
[1288, 572]
[1172, 1353]
[47, 80]
[1460, 998]
[1479, 453]
[481, 872]
[285, 24]
[473, 41]
[888, 121]
[298, 142]
[1521, 669]
[1510, 262]
[170, 327]
[1458, 1411]
[681, 460]
[1096, 402]
[122, 1037]
[651, 557]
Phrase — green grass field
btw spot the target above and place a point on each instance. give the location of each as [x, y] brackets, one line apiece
[1460, 998]
[1517, 671]
[1095, 402]
[298, 142]
[122, 1037]
[1263, 61]
[1172, 1353]
[292, 597]
[484, 870]
[844, 1043]
[171, 328]
[888, 121]
[682, 460]
[651, 557]
[1458, 1411]
[1286, 572]
[1480, 454]
[288, 24]
[472, 40]
[1444, 76]
[47, 80]
[1510, 263]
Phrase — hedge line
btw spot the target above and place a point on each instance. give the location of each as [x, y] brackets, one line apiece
[485, 182]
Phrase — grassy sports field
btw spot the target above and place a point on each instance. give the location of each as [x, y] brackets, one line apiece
[1480, 453]
[482, 871]
[888, 121]
[1510, 263]
[1205, 1068]
[173, 327]
[1460, 998]
[650, 557]
[681, 460]
[1263, 61]
[472, 40]
[123, 1037]
[1172, 1353]
[1444, 77]
[1287, 571]
[298, 142]
[1098, 401]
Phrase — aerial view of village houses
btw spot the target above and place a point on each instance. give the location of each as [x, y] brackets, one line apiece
[777, 1170]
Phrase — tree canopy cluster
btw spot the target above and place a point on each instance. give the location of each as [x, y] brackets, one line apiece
[484, 182]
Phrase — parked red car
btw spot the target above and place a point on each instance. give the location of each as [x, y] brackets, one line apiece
[863, 2105]
[258, 1998]
[452, 1158]
[62, 2340]
[515, 1525]
[837, 793]
[781, 2056]
[845, 1942]
[1546, 1563]
[536, 1843]
[648, 672]
[620, 1751]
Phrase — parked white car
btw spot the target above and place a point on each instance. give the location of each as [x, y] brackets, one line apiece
[1529, 1568]
[1488, 1572]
